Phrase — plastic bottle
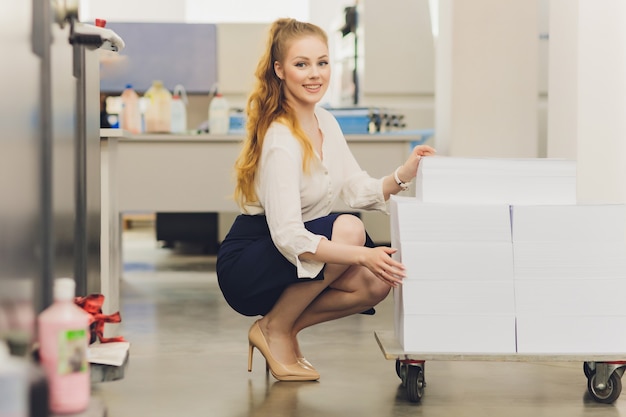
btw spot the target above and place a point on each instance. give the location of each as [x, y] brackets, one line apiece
[63, 341]
[219, 115]
[130, 115]
[143, 108]
[159, 110]
[114, 109]
[179, 110]
[13, 384]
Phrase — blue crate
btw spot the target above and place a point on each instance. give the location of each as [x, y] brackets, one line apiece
[354, 125]
[353, 120]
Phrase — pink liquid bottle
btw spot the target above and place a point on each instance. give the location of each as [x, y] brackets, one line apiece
[63, 330]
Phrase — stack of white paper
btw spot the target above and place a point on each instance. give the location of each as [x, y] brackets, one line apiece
[458, 295]
[496, 181]
[569, 261]
[501, 259]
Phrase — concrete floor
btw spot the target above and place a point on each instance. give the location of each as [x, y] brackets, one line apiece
[188, 358]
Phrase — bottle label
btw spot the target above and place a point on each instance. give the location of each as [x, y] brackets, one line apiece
[72, 352]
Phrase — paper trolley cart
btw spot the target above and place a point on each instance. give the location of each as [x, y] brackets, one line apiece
[524, 276]
[603, 372]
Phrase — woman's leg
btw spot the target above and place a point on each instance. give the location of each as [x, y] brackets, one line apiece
[345, 290]
[356, 290]
[348, 295]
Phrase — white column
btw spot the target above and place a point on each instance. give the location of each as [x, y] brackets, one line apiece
[587, 96]
[486, 78]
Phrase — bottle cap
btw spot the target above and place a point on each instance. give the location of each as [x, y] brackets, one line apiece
[64, 289]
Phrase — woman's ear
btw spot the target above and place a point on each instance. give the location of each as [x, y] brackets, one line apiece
[278, 69]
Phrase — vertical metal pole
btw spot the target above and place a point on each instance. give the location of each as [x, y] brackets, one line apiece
[87, 171]
[41, 41]
[355, 75]
[80, 184]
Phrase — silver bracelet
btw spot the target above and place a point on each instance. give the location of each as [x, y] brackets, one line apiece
[403, 185]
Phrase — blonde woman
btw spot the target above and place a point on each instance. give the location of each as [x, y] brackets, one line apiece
[287, 258]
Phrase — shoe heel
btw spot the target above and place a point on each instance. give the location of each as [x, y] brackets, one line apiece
[294, 372]
[250, 352]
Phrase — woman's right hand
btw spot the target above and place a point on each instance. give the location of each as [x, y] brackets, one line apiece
[379, 261]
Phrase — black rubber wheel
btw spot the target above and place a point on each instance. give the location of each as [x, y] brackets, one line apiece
[415, 383]
[587, 370]
[403, 369]
[610, 393]
[399, 368]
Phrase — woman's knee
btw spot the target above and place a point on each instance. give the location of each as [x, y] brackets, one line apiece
[348, 228]
[371, 290]
[378, 291]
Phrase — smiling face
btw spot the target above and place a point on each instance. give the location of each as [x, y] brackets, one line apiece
[305, 71]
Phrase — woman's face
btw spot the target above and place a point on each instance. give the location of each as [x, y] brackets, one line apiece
[305, 71]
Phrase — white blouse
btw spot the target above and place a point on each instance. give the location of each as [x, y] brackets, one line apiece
[289, 197]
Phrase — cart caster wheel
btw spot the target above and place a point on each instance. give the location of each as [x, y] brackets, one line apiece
[403, 370]
[587, 370]
[414, 383]
[610, 393]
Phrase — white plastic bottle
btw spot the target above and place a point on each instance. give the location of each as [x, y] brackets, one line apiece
[219, 115]
[179, 110]
[63, 341]
[159, 110]
[13, 384]
[130, 116]
[143, 108]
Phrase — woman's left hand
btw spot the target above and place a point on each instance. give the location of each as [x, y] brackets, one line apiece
[408, 171]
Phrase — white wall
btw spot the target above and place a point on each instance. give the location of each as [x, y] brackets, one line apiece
[244, 11]
[588, 95]
[563, 74]
[543, 21]
[487, 89]
[193, 11]
[132, 11]
[399, 59]
[399, 49]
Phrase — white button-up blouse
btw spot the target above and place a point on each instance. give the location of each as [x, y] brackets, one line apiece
[289, 197]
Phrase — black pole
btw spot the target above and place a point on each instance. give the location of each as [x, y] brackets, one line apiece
[350, 26]
[355, 74]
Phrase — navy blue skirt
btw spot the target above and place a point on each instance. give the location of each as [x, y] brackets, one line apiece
[251, 272]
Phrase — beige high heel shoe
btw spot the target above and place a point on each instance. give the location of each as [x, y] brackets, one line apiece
[306, 364]
[282, 372]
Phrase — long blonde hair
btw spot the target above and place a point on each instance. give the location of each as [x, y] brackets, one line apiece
[267, 104]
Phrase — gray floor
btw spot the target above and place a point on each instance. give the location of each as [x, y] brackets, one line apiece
[189, 358]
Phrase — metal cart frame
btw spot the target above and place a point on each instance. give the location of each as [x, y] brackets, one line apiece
[603, 371]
